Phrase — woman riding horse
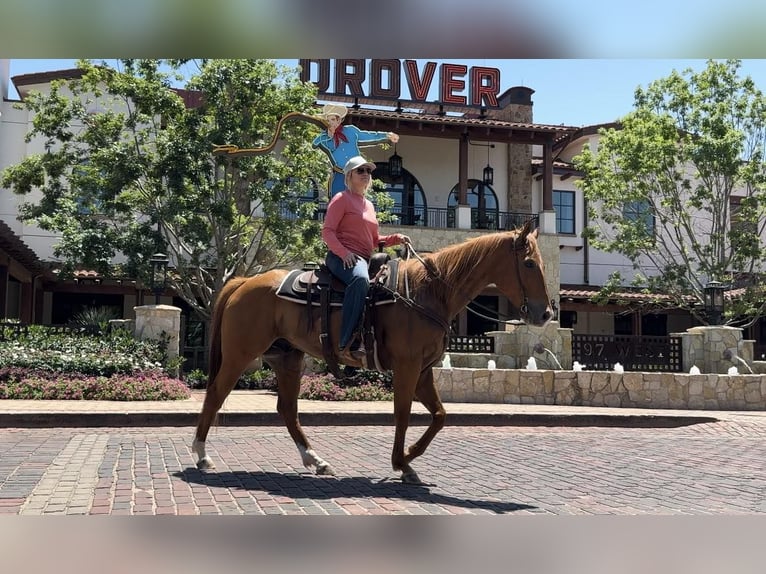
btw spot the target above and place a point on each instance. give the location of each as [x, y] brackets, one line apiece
[249, 321]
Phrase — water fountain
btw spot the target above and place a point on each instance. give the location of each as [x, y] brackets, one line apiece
[539, 348]
[531, 364]
[729, 356]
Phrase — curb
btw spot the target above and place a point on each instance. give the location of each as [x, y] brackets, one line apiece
[233, 419]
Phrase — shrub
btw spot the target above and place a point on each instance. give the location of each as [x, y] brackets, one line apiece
[43, 363]
[143, 386]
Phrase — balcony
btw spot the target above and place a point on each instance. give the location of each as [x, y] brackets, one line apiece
[434, 217]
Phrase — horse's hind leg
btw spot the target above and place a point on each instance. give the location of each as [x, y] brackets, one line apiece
[428, 395]
[288, 367]
[215, 395]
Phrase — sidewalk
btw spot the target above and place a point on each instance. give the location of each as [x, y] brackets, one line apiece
[246, 408]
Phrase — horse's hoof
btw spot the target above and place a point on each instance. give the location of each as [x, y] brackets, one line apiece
[205, 464]
[411, 477]
[325, 470]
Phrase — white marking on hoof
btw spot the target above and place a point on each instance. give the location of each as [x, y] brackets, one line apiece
[204, 462]
[310, 458]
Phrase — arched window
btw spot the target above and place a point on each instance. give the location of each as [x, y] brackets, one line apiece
[483, 202]
[409, 200]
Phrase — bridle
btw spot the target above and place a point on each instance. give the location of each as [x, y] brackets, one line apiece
[519, 248]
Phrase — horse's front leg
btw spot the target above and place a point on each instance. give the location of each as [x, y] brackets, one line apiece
[288, 367]
[428, 395]
[405, 380]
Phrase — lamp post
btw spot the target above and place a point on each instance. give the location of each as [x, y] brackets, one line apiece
[159, 262]
[714, 301]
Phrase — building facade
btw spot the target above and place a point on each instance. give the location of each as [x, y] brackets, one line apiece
[474, 162]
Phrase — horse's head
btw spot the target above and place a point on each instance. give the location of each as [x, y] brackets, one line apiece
[523, 280]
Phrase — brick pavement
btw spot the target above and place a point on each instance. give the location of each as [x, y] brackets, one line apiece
[710, 468]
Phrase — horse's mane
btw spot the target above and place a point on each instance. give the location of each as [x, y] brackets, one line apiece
[454, 261]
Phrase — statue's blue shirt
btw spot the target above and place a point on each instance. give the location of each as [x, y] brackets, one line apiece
[345, 150]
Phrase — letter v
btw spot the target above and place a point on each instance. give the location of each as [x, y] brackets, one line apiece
[419, 87]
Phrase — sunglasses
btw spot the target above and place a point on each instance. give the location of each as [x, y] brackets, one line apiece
[361, 170]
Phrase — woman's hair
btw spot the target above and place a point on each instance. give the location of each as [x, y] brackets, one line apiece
[347, 179]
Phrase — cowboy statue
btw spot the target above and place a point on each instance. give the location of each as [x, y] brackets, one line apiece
[341, 143]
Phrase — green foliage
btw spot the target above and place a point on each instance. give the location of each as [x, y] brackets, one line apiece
[680, 188]
[128, 171]
[40, 364]
[95, 317]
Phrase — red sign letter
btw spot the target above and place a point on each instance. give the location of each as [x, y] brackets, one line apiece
[393, 67]
[419, 87]
[353, 79]
[485, 85]
[448, 83]
[323, 78]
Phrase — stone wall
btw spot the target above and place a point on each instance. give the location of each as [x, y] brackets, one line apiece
[602, 389]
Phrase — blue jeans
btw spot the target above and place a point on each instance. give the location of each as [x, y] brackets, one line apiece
[357, 282]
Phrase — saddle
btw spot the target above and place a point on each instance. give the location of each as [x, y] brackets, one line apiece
[316, 286]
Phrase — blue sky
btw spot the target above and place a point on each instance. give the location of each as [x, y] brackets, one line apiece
[573, 92]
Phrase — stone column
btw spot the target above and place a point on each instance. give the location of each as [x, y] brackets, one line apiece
[716, 349]
[153, 320]
[463, 217]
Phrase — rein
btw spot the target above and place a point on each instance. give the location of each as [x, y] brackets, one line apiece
[431, 269]
[517, 249]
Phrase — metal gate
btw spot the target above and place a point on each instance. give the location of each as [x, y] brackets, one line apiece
[194, 344]
[634, 353]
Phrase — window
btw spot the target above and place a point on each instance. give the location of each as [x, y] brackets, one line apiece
[483, 202]
[410, 205]
[623, 324]
[743, 221]
[640, 211]
[563, 204]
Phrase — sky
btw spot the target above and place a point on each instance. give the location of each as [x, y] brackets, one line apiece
[573, 92]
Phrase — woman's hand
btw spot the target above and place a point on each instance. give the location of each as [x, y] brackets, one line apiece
[349, 260]
[405, 239]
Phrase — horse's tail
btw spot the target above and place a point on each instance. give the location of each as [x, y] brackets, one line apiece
[214, 359]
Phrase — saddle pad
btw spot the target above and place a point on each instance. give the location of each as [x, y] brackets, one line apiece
[287, 289]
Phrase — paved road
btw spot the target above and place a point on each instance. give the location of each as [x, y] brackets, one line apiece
[710, 468]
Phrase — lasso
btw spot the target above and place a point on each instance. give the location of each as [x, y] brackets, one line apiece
[235, 151]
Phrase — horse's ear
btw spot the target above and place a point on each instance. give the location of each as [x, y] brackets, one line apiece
[525, 230]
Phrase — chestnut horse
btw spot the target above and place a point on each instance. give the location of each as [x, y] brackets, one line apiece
[411, 333]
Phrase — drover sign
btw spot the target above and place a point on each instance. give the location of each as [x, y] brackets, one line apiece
[459, 85]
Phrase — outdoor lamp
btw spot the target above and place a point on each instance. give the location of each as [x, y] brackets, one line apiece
[395, 164]
[713, 293]
[159, 263]
[488, 173]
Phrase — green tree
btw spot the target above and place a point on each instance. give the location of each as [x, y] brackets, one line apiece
[679, 189]
[129, 171]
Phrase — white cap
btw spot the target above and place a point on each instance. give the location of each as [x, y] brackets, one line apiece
[355, 162]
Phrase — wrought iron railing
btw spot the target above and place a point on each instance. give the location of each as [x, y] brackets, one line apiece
[431, 217]
[471, 344]
[634, 353]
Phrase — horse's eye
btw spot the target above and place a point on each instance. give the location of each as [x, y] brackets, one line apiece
[529, 263]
